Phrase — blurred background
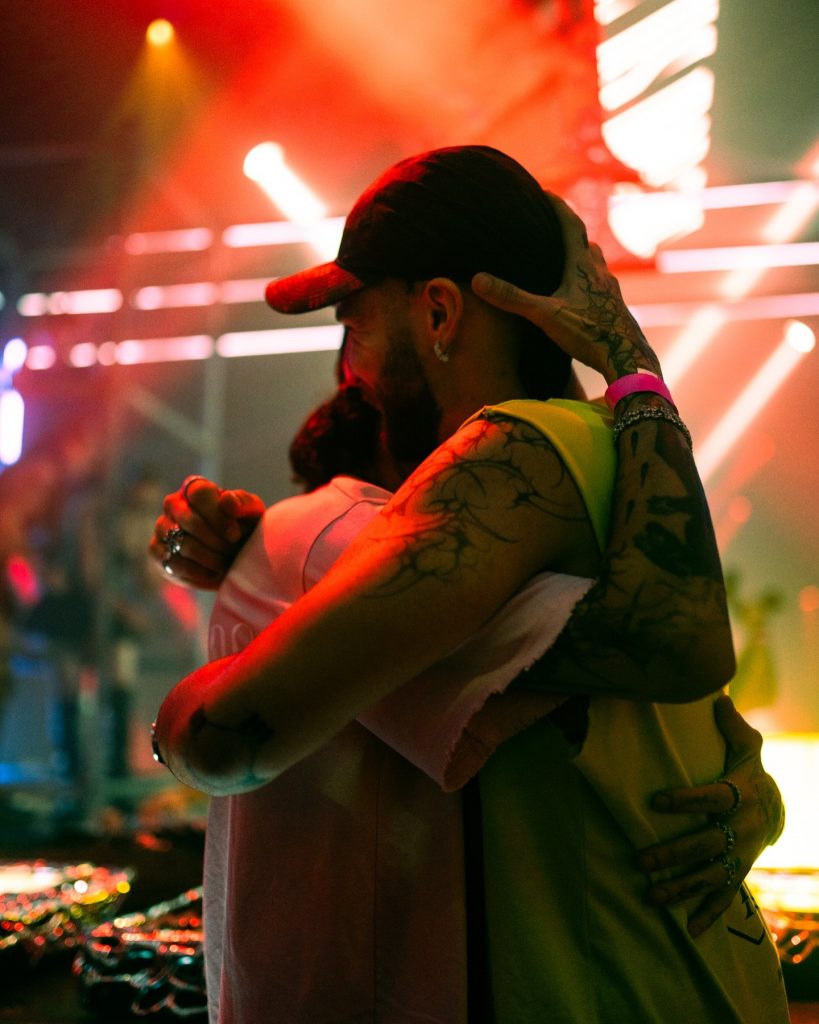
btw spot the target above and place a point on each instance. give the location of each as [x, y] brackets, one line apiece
[160, 161]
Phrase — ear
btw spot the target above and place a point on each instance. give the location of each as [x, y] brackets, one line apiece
[442, 304]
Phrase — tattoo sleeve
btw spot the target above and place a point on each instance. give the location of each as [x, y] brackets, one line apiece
[469, 496]
[655, 624]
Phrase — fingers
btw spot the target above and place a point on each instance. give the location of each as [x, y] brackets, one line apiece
[540, 309]
[191, 574]
[204, 515]
[191, 562]
[200, 516]
[712, 878]
[710, 910]
[694, 848]
[241, 505]
[713, 798]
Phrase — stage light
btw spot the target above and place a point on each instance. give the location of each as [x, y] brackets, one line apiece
[164, 350]
[738, 257]
[160, 32]
[12, 414]
[669, 40]
[696, 336]
[14, 355]
[107, 353]
[250, 289]
[795, 212]
[763, 386]
[176, 296]
[83, 354]
[740, 509]
[143, 243]
[265, 164]
[77, 303]
[809, 599]
[640, 221]
[281, 232]
[667, 133]
[607, 11]
[800, 336]
[41, 357]
[32, 304]
[276, 342]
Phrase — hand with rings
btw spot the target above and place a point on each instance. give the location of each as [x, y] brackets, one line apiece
[201, 530]
[745, 815]
[586, 316]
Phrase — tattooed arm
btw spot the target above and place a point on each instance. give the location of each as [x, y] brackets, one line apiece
[481, 516]
[493, 506]
[658, 610]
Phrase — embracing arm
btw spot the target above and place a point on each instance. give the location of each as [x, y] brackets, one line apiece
[475, 521]
[655, 625]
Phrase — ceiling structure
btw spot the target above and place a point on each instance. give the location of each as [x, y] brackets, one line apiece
[100, 142]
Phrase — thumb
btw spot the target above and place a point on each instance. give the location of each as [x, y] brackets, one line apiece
[739, 736]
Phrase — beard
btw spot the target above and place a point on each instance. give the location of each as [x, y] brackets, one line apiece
[411, 417]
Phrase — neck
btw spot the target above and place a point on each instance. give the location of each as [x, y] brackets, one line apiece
[492, 392]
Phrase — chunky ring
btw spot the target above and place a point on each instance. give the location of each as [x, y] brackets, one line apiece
[157, 754]
[730, 864]
[173, 539]
[728, 832]
[188, 481]
[737, 795]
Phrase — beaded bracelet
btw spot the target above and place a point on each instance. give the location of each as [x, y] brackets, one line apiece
[651, 413]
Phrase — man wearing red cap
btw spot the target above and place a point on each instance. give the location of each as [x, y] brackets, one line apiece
[517, 486]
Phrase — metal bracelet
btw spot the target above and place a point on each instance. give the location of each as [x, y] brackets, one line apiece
[634, 416]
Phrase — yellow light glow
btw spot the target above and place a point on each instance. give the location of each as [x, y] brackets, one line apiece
[160, 32]
[793, 760]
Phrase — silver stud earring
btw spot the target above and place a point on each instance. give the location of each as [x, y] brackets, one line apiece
[440, 353]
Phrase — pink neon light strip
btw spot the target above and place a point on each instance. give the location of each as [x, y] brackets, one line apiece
[684, 261]
[758, 307]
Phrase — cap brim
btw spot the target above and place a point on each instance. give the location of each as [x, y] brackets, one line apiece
[312, 289]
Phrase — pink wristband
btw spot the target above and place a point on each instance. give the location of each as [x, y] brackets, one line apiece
[633, 383]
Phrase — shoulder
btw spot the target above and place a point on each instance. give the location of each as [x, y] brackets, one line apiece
[320, 506]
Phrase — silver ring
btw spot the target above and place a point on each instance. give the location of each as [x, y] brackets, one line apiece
[166, 565]
[730, 864]
[737, 795]
[730, 835]
[173, 540]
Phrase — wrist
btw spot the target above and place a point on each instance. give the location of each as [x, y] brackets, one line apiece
[643, 381]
